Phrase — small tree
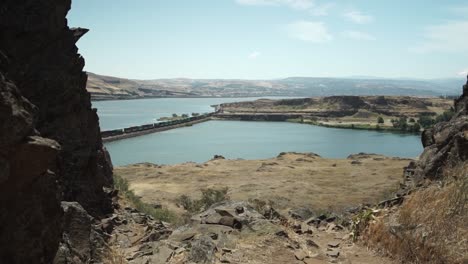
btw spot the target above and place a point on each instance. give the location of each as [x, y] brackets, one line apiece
[380, 120]
[174, 115]
[402, 123]
[411, 120]
[184, 115]
[416, 127]
[445, 116]
[425, 121]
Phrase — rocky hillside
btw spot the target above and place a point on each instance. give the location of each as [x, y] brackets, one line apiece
[430, 226]
[107, 87]
[53, 166]
[340, 106]
[446, 144]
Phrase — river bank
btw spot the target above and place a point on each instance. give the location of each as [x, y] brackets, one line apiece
[361, 178]
[382, 113]
[119, 134]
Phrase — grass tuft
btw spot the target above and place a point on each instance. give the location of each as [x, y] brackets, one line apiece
[209, 197]
[162, 214]
[430, 227]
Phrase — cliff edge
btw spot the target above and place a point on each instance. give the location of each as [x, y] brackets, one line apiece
[50, 142]
[446, 144]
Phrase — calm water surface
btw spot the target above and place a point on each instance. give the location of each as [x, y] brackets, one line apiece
[256, 140]
[126, 113]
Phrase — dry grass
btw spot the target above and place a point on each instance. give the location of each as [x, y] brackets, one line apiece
[129, 195]
[113, 256]
[431, 226]
[290, 181]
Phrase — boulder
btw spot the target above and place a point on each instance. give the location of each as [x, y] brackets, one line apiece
[50, 142]
[77, 244]
[202, 250]
[301, 213]
[228, 213]
[445, 145]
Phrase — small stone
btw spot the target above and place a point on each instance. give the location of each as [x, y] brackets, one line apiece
[314, 261]
[179, 250]
[227, 250]
[224, 260]
[300, 255]
[213, 236]
[322, 217]
[301, 213]
[305, 229]
[165, 224]
[333, 253]
[311, 243]
[282, 233]
[334, 244]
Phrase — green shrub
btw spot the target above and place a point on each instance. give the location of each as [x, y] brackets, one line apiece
[162, 214]
[426, 121]
[380, 120]
[445, 116]
[209, 197]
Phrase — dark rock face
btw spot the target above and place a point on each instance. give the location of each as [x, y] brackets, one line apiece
[446, 144]
[50, 142]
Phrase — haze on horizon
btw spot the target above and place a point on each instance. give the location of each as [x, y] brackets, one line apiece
[271, 39]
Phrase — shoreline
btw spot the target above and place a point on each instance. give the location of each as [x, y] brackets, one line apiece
[188, 97]
[153, 130]
[218, 118]
[357, 127]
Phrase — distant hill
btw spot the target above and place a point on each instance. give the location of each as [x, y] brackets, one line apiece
[108, 87]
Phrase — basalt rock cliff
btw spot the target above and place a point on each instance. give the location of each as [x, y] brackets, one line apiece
[446, 144]
[52, 161]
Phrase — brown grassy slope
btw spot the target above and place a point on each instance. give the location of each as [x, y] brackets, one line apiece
[430, 227]
[290, 181]
[390, 105]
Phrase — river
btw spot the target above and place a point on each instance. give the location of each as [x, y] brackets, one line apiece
[126, 113]
[233, 139]
[257, 140]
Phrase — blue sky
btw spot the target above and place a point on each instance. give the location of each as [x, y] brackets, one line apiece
[268, 39]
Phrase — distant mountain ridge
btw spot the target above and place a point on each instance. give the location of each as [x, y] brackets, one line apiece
[107, 87]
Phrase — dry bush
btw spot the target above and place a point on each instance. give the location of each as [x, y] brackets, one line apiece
[113, 256]
[209, 197]
[430, 227]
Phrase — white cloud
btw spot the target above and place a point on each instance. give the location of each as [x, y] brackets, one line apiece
[459, 10]
[358, 35]
[358, 17]
[309, 31]
[448, 37]
[296, 4]
[321, 10]
[305, 5]
[254, 55]
[463, 72]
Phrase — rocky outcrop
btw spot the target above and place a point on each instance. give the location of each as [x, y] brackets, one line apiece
[334, 106]
[446, 144]
[50, 143]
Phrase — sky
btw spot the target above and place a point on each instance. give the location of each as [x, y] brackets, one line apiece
[270, 39]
